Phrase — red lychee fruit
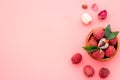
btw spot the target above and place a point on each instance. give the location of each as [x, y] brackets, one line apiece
[92, 37]
[98, 54]
[99, 34]
[76, 58]
[113, 41]
[88, 71]
[110, 51]
[92, 42]
[104, 72]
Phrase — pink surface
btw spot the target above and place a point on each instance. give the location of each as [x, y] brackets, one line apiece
[38, 38]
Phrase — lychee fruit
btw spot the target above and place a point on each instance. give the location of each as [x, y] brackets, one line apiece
[92, 42]
[99, 34]
[76, 58]
[99, 54]
[104, 72]
[88, 71]
[110, 51]
[113, 41]
[92, 37]
[94, 7]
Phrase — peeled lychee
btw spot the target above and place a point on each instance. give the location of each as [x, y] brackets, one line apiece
[88, 71]
[98, 54]
[99, 34]
[110, 51]
[76, 58]
[92, 42]
[104, 72]
[113, 41]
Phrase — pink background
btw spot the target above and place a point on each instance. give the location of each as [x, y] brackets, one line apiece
[38, 38]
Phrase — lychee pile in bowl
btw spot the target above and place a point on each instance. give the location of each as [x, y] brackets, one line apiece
[102, 43]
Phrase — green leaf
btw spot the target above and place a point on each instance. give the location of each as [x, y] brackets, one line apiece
[109, 34]
[91, 48]
[107, 31]
[112, 35]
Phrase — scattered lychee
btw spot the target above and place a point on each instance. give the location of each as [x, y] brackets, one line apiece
[98, 54]
[99, 34]
[110, 51]
[104, 72]
[88, 71]
[84, 6]
[76, 58]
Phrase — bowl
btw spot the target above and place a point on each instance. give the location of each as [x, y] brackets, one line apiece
[116, 46]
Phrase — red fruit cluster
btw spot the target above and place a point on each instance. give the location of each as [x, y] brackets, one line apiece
[100, 47]
[94, 41]
[89, 70]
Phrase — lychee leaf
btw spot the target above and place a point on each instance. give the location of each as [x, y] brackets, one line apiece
[91, 48]
[112, 35]
[109, 34]
[107, 31]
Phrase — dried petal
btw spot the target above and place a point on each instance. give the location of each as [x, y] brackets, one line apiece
[86, 18]
[102, 14]
[84, 6]
[94, 7]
